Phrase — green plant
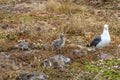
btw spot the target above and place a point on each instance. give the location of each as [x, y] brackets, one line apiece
[106, 68]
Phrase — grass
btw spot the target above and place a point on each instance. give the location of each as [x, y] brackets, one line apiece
[78, 22]
[66, 7]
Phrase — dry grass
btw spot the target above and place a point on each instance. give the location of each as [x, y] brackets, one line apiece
[78, 23]
[62, 6]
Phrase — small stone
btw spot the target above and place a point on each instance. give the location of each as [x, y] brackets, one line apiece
[119, 45]
[90, 49]
[15, 67]
[54, 28]
[80, 46]
[118, 6]
[22, 45]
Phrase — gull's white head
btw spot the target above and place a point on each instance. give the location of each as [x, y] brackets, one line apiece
[105, 27]
[105, 30]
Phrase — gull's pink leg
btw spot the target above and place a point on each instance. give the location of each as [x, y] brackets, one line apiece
[102, 55]
[101, 52]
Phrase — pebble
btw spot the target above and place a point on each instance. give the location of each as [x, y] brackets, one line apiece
[15, 67]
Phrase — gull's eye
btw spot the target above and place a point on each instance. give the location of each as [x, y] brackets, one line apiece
[106, 28]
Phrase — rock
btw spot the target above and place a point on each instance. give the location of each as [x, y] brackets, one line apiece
[5, 54]
[38, 76]
[62, 58]
[6, 26]
[57, 61]
[3, 65]
[22, 45]
[23, 76]
[32, 76]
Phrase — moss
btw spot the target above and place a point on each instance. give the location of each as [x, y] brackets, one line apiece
[4, 14]
[105, 68]
[25, 19]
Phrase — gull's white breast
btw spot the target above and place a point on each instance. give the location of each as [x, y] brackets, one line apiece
[104, 41]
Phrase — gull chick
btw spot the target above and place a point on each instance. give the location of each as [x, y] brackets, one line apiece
[58, 43]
